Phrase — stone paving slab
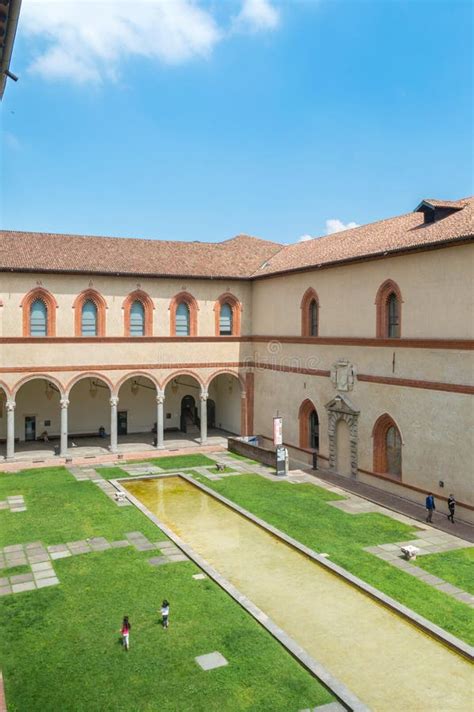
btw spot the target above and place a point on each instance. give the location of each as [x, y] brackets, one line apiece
[199, 577]
[5, 590]
[47, 582]
[20, 587]
[210, 661]
[40, 575]
[60, 555]
[21, 578]
[158, 560]
[119, 544]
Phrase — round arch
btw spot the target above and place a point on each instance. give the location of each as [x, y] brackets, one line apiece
[182, 372]
[6, 389]
[40, 377]
[309, 296]
[193, 307]
[306, 408]
[135, 374]
[226, 371]
[236, 307]
[384, 292]
[89, 374]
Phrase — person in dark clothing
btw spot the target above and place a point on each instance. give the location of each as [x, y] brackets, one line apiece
[452, 507]
[430, 507]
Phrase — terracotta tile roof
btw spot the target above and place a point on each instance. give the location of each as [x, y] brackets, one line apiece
[241, 257]
[236, 258]
[383, 237]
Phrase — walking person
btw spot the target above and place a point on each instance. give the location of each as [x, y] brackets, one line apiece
[430, 507]
[165, 611]
[452, 507]
[125, 630]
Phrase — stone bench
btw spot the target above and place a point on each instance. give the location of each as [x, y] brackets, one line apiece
[409, 552]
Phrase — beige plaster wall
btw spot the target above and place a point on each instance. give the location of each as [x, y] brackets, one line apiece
[436, 427]
[65, 288]
[437, 292]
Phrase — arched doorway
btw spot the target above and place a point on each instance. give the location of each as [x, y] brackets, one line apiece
[387, 447]
[189, 418]
[309, 426]
[136, 412]
[225, 403]
[89, 416]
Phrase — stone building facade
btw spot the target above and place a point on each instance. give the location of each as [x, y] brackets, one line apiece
[362, 341]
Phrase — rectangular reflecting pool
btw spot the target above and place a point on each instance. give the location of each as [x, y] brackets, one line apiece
[385, 660]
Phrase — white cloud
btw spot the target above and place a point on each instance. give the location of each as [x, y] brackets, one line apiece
[305, 238]
[85, 40]
[257, 15]
[335, 225]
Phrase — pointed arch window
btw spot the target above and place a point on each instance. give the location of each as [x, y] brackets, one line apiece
[389, 306]
[137, 319]
[182, 319]
[228, 310]
[225, 321]
[89, 318]
[38, 318]
[310, 313]
[183, 315]
[387, 447]
[39, 313]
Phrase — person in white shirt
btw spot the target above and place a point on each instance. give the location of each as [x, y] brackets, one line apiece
[165, 611]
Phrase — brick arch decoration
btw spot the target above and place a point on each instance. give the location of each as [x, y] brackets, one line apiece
[39, 377]
[193, 307]
[182, 372]
[381, 300]
[92, 374]
[5, 389]
[236, 306]
[309, 296]
[246, 399]
[228, 372]
[101, 304]
[138, 296]
[50, 303]
[306, 408]
[135, 374]
[379, 436]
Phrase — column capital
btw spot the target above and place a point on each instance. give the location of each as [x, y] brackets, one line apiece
[10, 405]
[160, 398]
[204, 395]
[243, 394]
[114, 401]
[64, 402]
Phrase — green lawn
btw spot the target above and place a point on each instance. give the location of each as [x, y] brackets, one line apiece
[176, 462]
[60, 650]
[301, 511]
[457, 567]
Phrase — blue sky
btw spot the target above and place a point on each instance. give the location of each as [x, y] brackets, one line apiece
[202, 120]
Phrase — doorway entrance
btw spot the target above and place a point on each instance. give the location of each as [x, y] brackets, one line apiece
[189, 416]
[30, 428]
[122, 422]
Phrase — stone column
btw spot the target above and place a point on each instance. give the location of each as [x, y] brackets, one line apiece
[204, 396]
[64, 402]
[10, 406]
[113, 424]
[160, 424]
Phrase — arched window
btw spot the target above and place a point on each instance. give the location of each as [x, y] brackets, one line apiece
[39, 313]
[309, 426]
[393, 320]
[225, 322]
[89, 314]
[228, 311]
[313, 318]
[310, 313]
[389, 306]
[182, 319]
[314, 430]
[89, 319]
[137, 319]
[38, 318]
[183, 315]
[387, 447]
